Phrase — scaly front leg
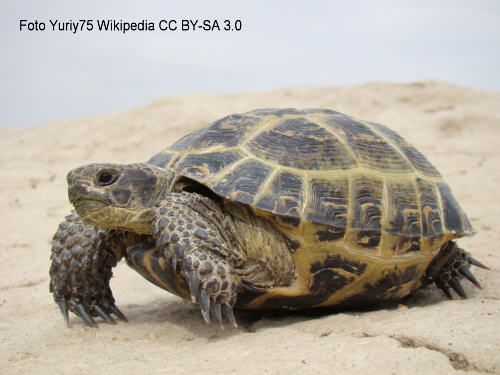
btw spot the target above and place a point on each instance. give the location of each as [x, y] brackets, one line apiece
[82, 258]
[188, 229]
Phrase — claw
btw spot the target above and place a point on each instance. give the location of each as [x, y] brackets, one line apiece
[194, 285]
[174, 263]
[84, 314]
[107, 318]
[216, 312]
[477, 263]
[117, 312]
[63, 306]
[457, 287]
[205, 305]
[230, 315]
[469, 276]
[444, 288]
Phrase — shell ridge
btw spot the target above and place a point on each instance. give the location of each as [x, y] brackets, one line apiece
[265, 124]
[231, 168]
[319, 119]
[264, 188]
[306, 187]
[390, 142]
[421, 165]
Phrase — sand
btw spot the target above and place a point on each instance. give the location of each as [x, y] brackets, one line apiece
[457, 128]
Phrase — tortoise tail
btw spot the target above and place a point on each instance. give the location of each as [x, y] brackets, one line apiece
[451, 265]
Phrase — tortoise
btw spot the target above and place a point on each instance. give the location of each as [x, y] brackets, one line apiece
[269, 209]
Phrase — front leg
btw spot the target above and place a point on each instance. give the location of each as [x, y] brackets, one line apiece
[82, 258]
[189, 231]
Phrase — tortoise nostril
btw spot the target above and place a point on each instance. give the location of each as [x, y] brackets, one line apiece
[74, 175]
[70, 178]
[77, 191]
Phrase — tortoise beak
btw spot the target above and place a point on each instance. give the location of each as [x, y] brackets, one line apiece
[81, 186]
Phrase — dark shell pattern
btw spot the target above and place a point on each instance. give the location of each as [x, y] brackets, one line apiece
[344, 176]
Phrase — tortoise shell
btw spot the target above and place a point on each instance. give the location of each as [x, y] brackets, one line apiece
[345, 192]
[321, 166]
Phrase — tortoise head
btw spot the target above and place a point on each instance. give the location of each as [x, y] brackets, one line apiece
[118, 196]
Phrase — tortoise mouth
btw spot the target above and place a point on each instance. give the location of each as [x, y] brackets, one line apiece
[86, 205]
[88, 200]
[90, 209]
[83, 194]
[103, 215]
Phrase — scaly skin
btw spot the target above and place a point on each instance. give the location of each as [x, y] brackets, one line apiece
[82, 258]
[185, 237]
[191, 238]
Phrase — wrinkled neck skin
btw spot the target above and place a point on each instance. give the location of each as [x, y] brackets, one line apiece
[117, 196]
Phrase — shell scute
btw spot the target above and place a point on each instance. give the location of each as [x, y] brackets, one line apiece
[368, 210]
[418, 160]
[403, 212]
[367, 195]
[328, 202]
[226, 132]
[301, 143]
[204, 165]
[455, 219]
[243, 183]
[431, 215]
[162, 159]
[370, 148]
[283, 195]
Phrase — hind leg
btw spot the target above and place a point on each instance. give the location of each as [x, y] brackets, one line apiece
[450, 266]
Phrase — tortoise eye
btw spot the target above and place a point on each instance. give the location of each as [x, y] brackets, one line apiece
[106, 178]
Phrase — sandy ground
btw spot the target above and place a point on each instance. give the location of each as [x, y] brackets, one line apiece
[457, 128]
